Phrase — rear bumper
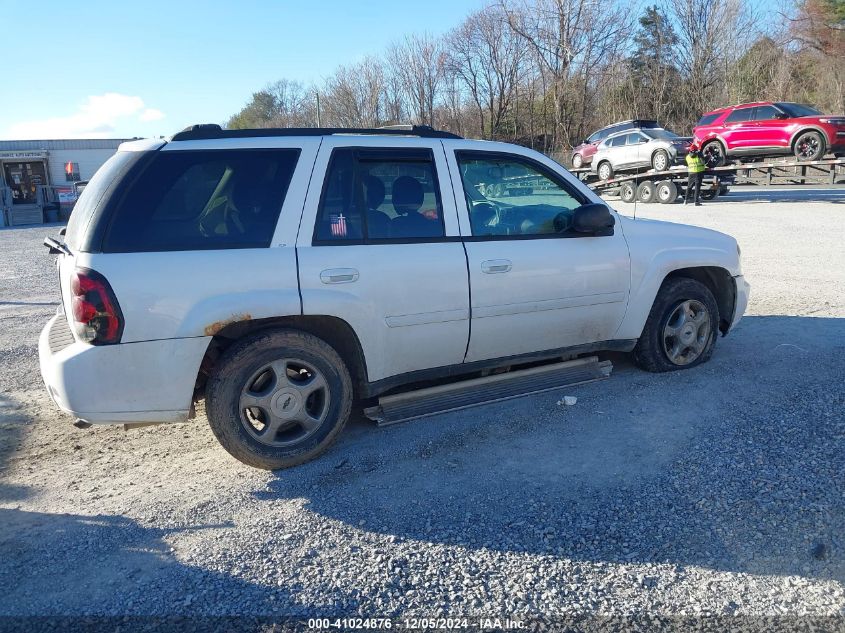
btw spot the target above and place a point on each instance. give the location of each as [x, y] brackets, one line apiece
[150, 381]
[743, 290]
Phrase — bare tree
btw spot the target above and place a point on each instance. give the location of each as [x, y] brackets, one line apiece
[712, 35]
[488, 56]
[572, 40]
[354, 95]
[417, 63]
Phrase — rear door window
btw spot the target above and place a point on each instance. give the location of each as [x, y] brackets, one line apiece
[765, 113]
[617, 141]
[379, 195]
[202, 200]
[740, 115]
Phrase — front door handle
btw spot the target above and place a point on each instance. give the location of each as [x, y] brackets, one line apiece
[492, 266]
[339, 276]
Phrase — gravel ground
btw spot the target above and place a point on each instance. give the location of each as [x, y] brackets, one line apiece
[718, 490]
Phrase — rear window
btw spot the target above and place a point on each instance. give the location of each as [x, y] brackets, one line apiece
[93, 195]
[798, 109]
[202, 200]
[708, 119]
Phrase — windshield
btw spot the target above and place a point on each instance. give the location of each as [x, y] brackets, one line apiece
[660, 134]
[798, 109]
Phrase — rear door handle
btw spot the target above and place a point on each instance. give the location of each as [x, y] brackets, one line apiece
[339, 276]
[492, 266]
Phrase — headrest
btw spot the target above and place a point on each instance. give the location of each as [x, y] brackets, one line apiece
[407, 194]
[373, 191]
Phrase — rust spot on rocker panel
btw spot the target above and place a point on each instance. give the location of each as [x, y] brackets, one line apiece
[214, 328]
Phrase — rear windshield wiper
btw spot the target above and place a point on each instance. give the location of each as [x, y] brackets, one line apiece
[56, 246]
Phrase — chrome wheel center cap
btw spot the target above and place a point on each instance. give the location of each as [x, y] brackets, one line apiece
[286, 403]
[687, 335]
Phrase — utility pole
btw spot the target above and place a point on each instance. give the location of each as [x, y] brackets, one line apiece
[319, 117]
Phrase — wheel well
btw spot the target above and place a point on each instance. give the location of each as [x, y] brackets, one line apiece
[720, 282]
[809, 129]
[334, 331]
[718, 141]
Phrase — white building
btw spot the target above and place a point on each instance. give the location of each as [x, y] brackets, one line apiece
[37, 177]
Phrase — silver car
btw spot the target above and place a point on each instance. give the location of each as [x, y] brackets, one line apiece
[654, 148]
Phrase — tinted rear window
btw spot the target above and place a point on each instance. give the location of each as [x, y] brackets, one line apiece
[201, 200]
[707, 119]
[798, 109]
[93, 195]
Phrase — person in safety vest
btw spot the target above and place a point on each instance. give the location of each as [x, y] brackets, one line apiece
[695, 167]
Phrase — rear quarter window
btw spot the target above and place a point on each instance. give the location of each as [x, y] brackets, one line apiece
[708, 119]
[202, 200]
[94, 196]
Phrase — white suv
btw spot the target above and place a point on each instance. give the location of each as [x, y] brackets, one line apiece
[280, 274]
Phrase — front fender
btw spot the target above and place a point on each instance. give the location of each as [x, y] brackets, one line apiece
[660, 248]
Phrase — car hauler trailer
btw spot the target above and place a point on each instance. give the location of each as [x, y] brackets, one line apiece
[667, 186]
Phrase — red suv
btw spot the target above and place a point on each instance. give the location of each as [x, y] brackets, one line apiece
[762, 129]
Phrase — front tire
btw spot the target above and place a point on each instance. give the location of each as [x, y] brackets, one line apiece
[660, 160]
[278, 398]
[681, 328]
[577, 161]
[713, 154]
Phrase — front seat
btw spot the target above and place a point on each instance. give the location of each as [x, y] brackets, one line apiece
[407, 196]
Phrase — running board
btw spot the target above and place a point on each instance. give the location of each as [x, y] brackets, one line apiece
[477, 391]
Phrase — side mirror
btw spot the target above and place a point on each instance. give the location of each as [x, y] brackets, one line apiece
[593, 219]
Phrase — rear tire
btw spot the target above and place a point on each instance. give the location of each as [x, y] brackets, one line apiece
[809, 145]
[627, 192]
[300, 406]
[694, 334]
[710, 194]
[646, 191]
[577, 161]
[667, 192]
[605, 170]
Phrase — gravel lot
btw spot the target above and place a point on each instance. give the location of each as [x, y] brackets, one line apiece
[718, 490]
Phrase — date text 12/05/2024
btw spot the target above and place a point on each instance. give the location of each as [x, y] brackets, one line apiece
[417, 624]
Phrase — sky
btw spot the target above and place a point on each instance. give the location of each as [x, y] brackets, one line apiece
[98, 69]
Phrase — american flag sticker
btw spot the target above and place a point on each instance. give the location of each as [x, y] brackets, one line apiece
[338, 223]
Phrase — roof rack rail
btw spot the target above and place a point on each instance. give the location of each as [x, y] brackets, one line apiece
[203, 131]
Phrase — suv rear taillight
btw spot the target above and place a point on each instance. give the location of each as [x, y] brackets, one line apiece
[96, 314]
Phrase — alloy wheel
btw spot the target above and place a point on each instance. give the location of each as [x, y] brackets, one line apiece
[284, 402]
[687, 332]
